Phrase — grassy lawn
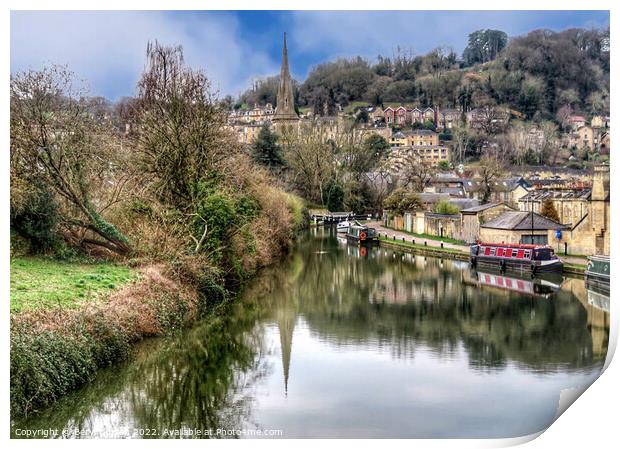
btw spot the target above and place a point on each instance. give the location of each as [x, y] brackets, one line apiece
[411, 245]
[432, 237]
[46, 283]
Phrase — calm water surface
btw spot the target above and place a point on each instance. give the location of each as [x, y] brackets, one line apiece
[342, 342]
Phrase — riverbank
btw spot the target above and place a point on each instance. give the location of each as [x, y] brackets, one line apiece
[441, 249]
[69, 319]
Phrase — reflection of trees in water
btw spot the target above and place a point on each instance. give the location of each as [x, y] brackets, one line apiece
[397, 301]
[205, 377]
[202, 379]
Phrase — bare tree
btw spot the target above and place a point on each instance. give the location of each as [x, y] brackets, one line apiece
[491, 169]
[417, 173]
[55, 138]
[462, 141]
[183, 133]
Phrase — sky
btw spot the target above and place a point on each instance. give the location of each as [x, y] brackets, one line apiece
[107, 48]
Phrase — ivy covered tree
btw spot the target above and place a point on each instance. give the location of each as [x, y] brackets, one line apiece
[57, 140]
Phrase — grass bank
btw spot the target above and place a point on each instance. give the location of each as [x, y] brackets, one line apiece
[573, 269]
[429, 237]
[43, 283]
[422, 249]
[70, 319]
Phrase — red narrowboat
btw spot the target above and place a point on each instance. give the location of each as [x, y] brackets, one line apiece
[533, 258]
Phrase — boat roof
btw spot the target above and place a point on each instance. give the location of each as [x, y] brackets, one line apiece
[515, 245]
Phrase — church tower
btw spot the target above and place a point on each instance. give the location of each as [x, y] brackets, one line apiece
[285, 107]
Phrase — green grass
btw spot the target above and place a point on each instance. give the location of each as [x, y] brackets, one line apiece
[575, 266]
[39, 283]
[431, 237]
[418, 246]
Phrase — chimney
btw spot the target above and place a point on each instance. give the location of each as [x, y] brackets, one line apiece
[600, 182]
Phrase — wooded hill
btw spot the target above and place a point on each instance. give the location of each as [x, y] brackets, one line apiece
[540, 74]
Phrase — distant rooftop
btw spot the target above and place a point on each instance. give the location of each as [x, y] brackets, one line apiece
[523, 221]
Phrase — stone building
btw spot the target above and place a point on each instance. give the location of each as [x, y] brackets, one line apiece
[430, 155]
[519, 227]
[584, 211]
[571, 204]
[448, 118]
[472, 218]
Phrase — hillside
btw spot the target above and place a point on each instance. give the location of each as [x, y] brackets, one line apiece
[543, 74]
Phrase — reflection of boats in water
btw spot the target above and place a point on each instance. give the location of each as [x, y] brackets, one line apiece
[597, 273]
[538, 286]
[353, 249]
[598, 299]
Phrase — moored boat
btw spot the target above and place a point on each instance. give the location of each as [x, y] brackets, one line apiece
[344, 226]
[522, 257]
[597, 272]
[362, 234]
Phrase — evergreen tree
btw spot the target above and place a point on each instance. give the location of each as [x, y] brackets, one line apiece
[549, 210]
[266, 150]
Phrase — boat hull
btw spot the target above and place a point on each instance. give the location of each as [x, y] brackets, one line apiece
[367, 241]
[597, 273]
[533, 266]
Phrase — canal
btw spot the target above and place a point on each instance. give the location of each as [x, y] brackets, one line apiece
[338, 341]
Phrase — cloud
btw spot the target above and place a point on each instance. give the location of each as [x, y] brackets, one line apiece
[108, 48]
[370, 33]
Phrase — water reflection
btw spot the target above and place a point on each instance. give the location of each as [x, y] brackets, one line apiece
[343, 341]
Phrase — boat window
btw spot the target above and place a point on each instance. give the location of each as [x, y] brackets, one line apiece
[492, 251]
[500, 252]
[527, 254]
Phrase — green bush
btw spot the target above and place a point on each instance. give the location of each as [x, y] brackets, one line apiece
[46, 365]
[446, 208]
[36, 219]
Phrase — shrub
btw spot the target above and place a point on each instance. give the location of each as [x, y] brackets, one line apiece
[446, 208]
[401, 201]
[35, 219]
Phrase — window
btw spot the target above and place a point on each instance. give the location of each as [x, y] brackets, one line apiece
[487, 251]
[534, 239]
[520, 254]
[500, 252]
[527, 254]
[492, 251]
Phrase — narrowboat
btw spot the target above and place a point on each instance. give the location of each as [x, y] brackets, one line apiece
[344, 226]
[362, 234]
[533, 258]
[597, 273]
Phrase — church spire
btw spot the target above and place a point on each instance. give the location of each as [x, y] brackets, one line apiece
[285, 106]
[284, 69]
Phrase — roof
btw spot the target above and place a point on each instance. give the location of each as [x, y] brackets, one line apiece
[482, 207]
[523, 221]
[421, 132]
[427, 197]
[557, 194]
[463, 203]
